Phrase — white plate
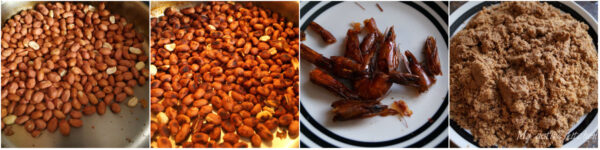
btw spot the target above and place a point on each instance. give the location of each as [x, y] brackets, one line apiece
[584, 128]
[413, 23]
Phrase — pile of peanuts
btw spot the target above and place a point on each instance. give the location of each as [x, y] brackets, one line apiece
[64, 60]
[223, 74]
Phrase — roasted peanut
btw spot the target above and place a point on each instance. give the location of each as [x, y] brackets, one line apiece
[231, 137]
[255, 140]
[245, 131]
[294, 128]
[200, 137]
[164, 142]
[266, 135]
[226, 74]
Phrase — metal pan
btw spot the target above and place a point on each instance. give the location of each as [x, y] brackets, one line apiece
[287, 9]
[129, 128]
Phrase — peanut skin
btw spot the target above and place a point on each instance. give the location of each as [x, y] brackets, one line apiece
[64, 128]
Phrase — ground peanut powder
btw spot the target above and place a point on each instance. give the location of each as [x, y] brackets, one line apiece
[522, 74]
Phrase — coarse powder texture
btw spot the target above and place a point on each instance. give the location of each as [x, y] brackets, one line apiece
[522, 74]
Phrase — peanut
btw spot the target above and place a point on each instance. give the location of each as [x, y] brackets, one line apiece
[34, 45]
[52, 125]
[111, 70]
[140, 65]
[9, 120]
[132, 102]
[162, 118]
[135, 50]
[115, 108]
[64, 127]
[255, 140]
[75, 123]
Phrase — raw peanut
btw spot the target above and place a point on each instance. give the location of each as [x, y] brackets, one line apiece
[76, 114]
[121, 97]
[36, 133]
[38, 114]
[135, 50]
[111, 70]
[89, 110]
[101, 108]
[52, 124]
[20, 109]
[128, 90]
[66, 108]
[29, 126]
[34, 45]
[75, 123]
[105, 51]
[40, 124]
[9, 120]
[112, 19]
[59, 114]
[115, 108]
[64, 128]
[140, 65]
[92, 98]
[47, 115]
[132, 102]
[38, 96]
[107, 45]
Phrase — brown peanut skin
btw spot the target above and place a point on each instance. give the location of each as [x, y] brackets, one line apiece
[294, 128]
[115, 108]
[75, 123]
[256, 140]
[52, 125]
[64, 127]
